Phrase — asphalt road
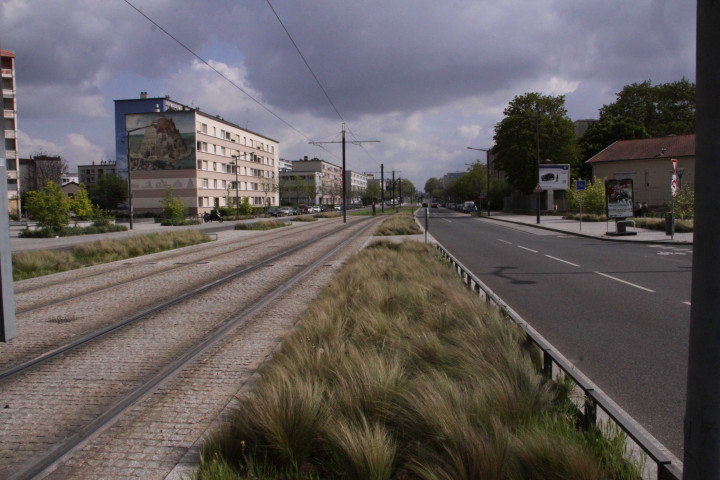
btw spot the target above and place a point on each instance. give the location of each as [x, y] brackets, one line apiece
[619, 311]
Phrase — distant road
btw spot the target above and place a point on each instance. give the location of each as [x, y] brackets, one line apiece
[620, 311]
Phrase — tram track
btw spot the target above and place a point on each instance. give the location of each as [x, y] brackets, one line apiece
[146, 365]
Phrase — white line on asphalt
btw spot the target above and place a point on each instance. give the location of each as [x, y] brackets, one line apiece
[688, 304]
[528, 249]
[561, 260]
[504, 241]
[626, 283]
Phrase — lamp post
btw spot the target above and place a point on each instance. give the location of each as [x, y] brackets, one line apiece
[129, 169]
[487, 167]
[237, 192]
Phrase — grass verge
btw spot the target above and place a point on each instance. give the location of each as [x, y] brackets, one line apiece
[399, 224]
[303, 218]
[36, 263]
[261, 225]
[396, 371]
[72, 231]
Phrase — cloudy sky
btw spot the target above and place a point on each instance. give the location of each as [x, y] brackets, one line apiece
[426, 78]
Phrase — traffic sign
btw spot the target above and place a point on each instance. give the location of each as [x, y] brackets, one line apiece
[538, 189]
[580, 185]
[674, 187]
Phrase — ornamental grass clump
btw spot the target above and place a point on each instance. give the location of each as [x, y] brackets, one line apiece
[399, 224]
[398, 372]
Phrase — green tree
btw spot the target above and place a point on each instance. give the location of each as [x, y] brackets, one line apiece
[665, 109]
[245, 207]
[593, 197]
[173, 208]
[49, 207]
[372, 193]
[109, 192]
[684, 203]
[81, 204]
[531, 121]
[431, 185]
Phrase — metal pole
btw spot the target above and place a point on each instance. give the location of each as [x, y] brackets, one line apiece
[702, 415]
[487, 167]
[130, 202]
[382, 188]
[343, 176]
[537, 163]
[7, 298]
[393, 188]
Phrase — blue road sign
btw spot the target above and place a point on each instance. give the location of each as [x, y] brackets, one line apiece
[580, 185]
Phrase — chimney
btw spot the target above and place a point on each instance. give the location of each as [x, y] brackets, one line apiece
[143, 95]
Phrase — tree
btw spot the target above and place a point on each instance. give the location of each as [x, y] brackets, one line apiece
[665, 109]
[81, 204]
[109, 192]
[642, 110]
[593, 197]
[173, 207]
[371, 195]
[530, 121]
[684, 203]
[49, 207]
[431, 185]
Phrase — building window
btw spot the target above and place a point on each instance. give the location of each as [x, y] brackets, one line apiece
[204, 183]
[203, 127]
[200, 201]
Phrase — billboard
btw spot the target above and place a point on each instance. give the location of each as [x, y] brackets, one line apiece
[554, 177]
[619, 198]
[161, 141]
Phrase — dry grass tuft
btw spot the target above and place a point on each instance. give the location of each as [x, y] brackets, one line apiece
[396, 371]
[399, 224]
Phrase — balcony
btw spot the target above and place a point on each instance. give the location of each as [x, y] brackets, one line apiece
[9, 133]
[7, 72]
[8, 113]
[8, 93]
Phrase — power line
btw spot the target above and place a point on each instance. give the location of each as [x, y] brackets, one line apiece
[216, 70]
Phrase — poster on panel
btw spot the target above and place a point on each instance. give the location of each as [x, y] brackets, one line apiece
[554, 177]
[161, 141]
[619, 198]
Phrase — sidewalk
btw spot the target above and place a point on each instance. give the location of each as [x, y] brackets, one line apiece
[598, 230]
[140, 227]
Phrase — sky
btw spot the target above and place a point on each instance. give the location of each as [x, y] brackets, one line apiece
[422, 79]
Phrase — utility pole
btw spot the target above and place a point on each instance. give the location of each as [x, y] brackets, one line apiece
[382, 188]
[393, 189]
[344, 207]
[702, 406]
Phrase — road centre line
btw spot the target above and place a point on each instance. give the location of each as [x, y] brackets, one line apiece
[504, 241]
[623, 281]
[561, 260]
[528, 249]
[688, 304]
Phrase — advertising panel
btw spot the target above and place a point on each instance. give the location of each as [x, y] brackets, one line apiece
[168, 142]
[554, 177]
[619, 198]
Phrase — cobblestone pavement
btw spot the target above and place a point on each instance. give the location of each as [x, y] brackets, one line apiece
[160, 436]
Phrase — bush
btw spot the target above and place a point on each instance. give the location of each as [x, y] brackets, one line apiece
[593, 198]
[173, 208]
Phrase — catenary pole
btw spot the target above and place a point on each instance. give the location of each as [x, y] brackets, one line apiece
[702, 407]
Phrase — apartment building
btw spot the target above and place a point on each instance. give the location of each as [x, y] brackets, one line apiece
[331, 176]
[355, 184]
[7, 64]
[90, 174]
[208, 161]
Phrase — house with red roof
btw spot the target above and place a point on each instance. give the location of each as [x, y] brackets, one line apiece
[648, 162]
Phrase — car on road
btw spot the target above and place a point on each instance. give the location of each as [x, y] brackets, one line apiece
[302, 208]
[469, 207]
[275, 212]
[314, 209]
[425, 204]
[287, 211]
[434, 205]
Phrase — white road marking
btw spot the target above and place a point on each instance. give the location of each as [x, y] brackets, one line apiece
[626, 283]
[528, 249]
[688, 304]
[561, 260]
[504, 241]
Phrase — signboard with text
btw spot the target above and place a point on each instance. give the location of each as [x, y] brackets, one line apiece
[554, 177]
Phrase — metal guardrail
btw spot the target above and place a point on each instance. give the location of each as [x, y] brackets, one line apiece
[594, 397]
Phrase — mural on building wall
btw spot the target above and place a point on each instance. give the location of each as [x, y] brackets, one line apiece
[168, 142]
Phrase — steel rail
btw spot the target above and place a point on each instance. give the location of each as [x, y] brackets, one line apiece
[159, 307]
[30, 471]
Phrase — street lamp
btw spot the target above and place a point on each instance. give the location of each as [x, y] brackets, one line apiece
[130, 195]
[237, 192]
[487, 167]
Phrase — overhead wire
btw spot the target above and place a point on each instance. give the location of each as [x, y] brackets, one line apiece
[258, 102]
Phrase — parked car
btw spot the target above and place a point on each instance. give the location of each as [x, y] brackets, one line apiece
[424, 204]
[287, 211]
[469, 207]
[275, 212]
[314, 209]
[302, 208]
[338, 207]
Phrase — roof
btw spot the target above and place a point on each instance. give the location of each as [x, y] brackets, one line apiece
[647, 148]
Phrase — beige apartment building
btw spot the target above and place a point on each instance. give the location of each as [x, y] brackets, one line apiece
[207, 161]
[7, 64]
[331, 177]
[89, 175]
